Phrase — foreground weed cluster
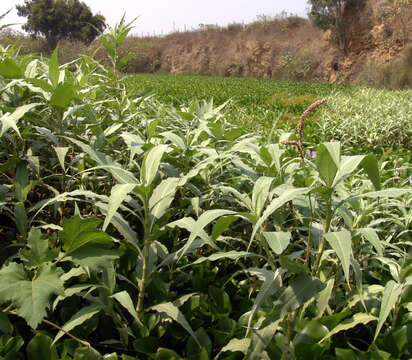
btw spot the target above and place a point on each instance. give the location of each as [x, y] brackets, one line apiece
[134, 229]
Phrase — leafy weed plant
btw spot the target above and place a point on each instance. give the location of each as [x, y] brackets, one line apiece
[134, 228]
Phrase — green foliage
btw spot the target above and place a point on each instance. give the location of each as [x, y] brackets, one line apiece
[61, 19]
[133, 227]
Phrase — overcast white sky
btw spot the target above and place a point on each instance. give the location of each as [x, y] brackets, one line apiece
[163, 16]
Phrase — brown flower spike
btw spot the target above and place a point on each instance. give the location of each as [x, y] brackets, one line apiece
[299, 144]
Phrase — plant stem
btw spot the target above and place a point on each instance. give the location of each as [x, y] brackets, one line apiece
[325, 230]
[82, 342]
[289, 331]
[145, 259]
[85, 343]
[309, 244]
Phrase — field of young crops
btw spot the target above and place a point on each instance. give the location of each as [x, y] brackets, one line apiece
[141, 220]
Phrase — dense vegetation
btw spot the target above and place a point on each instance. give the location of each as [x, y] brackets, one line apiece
[61, 19]
[141, 226]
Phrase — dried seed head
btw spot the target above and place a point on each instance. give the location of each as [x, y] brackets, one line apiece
[306, 113]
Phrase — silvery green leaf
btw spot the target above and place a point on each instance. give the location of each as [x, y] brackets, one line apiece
[341, 242]
[10, 120]
[151, 164]
[117, 196]
[61, 155]
[275, 204]
[278, 241]
[171, 310]
[390, 296]
[260, 194]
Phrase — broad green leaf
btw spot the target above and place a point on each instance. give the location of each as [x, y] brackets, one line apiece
[125, 59]
[10, 120]
[323, 298]
[220, 302]
[303, 288]
[40, 347]
[125, 300]
[20, 181]
[20, 219]
[94, 256]
[242, 199]
[293, 266]
[390, 297]
[205, 219]
[47, 133]
[189, 224]
[173, 312]
[145, 345]
[398, 340]
[199, 351]
[5, 325]
[278, 240]
[43, 84]
[122, 227]
[312, 332]
[10, 347]
[355, 320]
[151, 164]
[370, 165]
[328, 161]
[345, 354]
[371, 235]
[112, 129]
[79, 232]
[260, 194]
[87, 353]
[347, 165]
[165, 354]
[174, 139]
[275, 152]
[79, 318]
[9, 69]
[260, 341]
[134, 144]
[62, 95]
[54, 67]
[287, 195]
[232, 255]
[30, 297]
[241, 345]
[10, 278]
[76, 195]
[61, 153]
[271, 285]
[341, 242]
[73, 290]
[387, 193]
[117, 195]
[222, 225]
[39, 251]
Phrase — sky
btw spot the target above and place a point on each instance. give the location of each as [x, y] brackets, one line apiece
[159, 17]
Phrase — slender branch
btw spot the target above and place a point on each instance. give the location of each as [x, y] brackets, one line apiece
[82, 342]
[66, 332]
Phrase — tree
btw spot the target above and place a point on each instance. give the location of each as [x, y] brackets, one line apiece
[61, 19]
[330, 14]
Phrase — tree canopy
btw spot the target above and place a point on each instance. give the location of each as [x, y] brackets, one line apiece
[61, 19]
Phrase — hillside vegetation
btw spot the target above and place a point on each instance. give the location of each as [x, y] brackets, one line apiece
[378, 48]
[141, 220]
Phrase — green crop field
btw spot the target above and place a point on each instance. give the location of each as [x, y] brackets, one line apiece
[179, 217]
